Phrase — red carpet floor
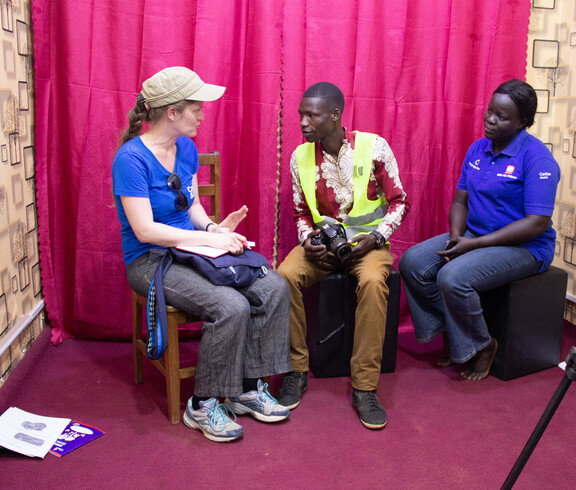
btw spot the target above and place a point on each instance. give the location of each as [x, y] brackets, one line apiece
[442, 433]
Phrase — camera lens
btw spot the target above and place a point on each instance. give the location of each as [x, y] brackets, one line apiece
[342, 250]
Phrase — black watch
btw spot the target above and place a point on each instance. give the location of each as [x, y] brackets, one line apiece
[380, 242]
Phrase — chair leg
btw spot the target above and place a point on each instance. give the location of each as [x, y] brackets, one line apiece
[172, 366]
[137, 335]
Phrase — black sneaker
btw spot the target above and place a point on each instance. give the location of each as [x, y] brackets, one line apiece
[371, 413]
[292, 388]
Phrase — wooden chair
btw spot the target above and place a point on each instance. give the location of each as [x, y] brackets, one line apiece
[169, 364]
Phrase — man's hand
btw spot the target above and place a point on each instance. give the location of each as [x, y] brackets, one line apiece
[316, 253]
[364, 243]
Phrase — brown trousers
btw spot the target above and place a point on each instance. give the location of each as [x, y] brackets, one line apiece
[371, 271]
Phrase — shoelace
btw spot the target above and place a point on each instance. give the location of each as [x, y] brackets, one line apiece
[221, 414]
[289, 384]
[265, 395]
[373, 403]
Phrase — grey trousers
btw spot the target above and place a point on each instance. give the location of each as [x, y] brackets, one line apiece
[245, 333]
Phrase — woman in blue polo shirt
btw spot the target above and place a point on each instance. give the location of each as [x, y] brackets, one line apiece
[500, 231]
[245, 334]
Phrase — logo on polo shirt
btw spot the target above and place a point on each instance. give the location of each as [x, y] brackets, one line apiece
[509, 172]
[545, 175]
[475, 165]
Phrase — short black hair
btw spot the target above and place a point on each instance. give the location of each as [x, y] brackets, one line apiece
[327, 91]
[523, 95]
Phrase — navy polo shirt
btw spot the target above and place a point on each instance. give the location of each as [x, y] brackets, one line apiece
[520, 180]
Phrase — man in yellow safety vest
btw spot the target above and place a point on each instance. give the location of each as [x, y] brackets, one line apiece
[348, 181]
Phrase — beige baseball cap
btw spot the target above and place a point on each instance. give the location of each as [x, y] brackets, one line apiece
[177, 83]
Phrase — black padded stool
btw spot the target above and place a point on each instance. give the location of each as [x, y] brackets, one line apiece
[526, 318]
[330, 308]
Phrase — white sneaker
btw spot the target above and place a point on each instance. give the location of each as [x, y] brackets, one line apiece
[212, 418]
[258, 403]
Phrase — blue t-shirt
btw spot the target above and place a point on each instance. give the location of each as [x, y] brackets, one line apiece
[520, 180]
[136, 172]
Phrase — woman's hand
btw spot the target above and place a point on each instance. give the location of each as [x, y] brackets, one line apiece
[231, 242]
[515, 233]
[458, 247]
[232, 221]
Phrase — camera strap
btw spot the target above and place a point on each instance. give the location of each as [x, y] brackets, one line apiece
[346, 298]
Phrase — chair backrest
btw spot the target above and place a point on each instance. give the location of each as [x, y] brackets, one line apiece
[211, 189]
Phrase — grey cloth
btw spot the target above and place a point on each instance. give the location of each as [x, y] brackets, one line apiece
[245, 333]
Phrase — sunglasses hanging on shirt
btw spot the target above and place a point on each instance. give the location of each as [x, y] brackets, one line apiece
[175, 184]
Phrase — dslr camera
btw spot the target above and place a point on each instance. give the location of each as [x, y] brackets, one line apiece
[334, 238]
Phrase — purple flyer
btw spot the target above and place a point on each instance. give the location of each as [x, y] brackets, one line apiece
[74, 436]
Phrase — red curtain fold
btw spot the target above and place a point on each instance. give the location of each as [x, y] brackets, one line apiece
[238, 43]
[417, 72]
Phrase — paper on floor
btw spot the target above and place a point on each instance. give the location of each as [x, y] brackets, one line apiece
[29, 434]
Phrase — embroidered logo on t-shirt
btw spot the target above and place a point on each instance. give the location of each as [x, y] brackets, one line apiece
[545, 175]
[509, 172]
[475, 165]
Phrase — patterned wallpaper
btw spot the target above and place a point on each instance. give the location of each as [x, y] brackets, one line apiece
[20, 290]
[551, 63]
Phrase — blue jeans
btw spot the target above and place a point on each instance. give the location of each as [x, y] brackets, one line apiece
[245, 333]
[444, 297]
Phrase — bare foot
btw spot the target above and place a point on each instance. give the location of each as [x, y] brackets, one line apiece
[445, 360]
[481, 363]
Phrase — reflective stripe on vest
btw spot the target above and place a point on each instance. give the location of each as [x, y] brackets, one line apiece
[365, 214]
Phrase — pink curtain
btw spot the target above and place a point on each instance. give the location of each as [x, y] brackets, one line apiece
[417, 72]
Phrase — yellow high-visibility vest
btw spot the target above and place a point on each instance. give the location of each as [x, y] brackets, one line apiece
[365, 214]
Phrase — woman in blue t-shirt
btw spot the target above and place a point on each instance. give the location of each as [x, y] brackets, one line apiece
[500, 231]
[245, 334]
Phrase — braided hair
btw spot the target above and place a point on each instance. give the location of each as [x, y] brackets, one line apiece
[141, 113]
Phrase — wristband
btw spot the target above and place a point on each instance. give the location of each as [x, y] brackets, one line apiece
[380, 242]
[208, 226]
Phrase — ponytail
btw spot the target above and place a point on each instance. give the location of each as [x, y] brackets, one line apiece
[136, 115]
[140, 113]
